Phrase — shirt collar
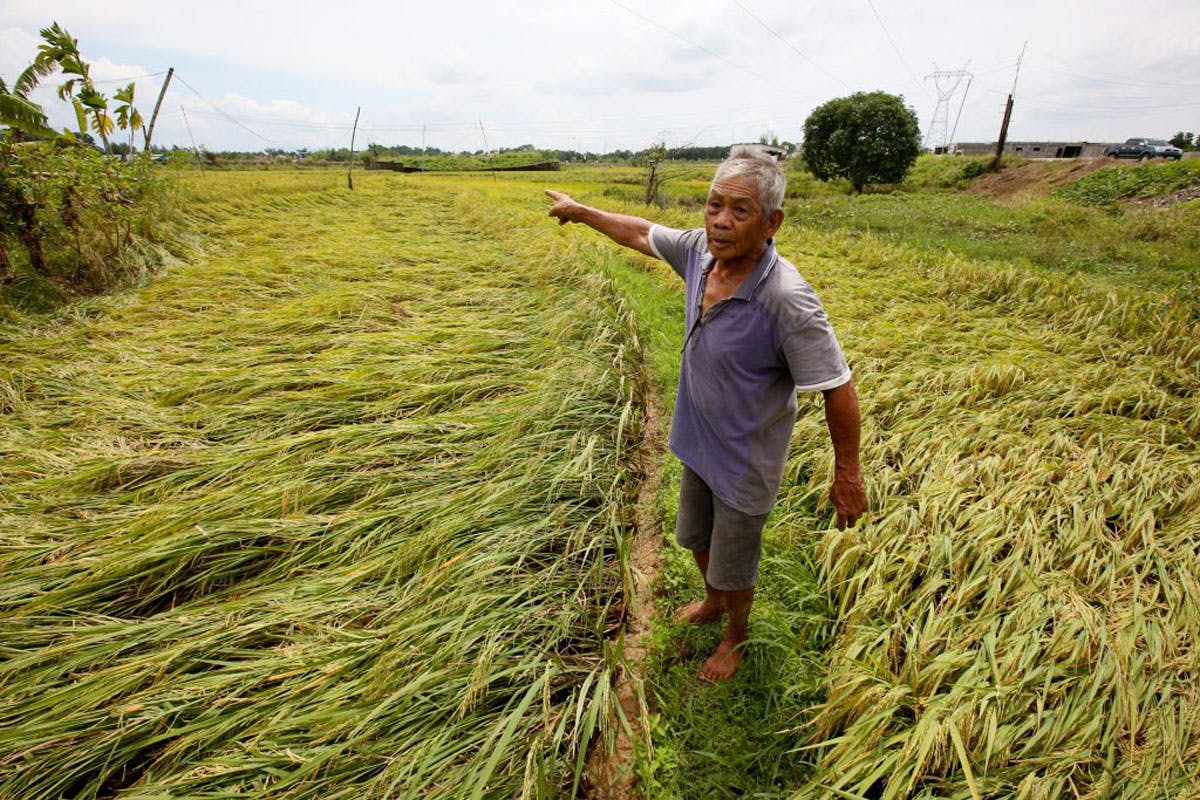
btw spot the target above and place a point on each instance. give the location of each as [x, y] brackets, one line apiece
[765, 262]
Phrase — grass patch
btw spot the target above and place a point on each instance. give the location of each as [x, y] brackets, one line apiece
[1146, 180]
[1144, 248]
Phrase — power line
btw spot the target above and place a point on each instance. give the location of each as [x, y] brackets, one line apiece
[795, 49]
[696, 45]
[1056, 104]
[223, 113]
[1100, 77]
[892, 41]
[131, 78]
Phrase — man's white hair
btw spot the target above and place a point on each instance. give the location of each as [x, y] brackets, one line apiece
[761, 169]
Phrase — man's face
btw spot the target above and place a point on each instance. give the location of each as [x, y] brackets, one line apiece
[734, 221]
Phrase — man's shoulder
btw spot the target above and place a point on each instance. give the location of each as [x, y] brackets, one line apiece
[787, 294]
[679, 248]
[681, 238]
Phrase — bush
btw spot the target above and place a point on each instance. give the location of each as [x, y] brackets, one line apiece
[73, 217]
[868, 137]
[944, 172]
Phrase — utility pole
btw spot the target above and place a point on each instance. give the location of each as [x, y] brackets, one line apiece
[350, 166]
[1008, 107]
[486, 149]
[154, 117]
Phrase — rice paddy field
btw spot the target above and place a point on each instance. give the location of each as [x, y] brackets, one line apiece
[339, 506]
[330, 511]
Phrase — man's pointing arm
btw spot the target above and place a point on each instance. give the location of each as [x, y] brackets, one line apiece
[632, 232]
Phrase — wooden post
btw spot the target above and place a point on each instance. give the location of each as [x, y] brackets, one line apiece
[154, 117]
[350, 166]
[1008, 112]
[1003, 134]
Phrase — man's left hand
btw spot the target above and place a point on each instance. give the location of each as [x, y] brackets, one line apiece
[849, 499]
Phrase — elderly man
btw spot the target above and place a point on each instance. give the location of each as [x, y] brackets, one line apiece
[756, 334]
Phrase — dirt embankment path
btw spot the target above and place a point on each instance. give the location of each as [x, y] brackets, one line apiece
[611, 775]
[1039, 177]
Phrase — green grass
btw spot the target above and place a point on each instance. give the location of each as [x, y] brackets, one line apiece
[1136, 247]
[453, 163]
[1146, 180]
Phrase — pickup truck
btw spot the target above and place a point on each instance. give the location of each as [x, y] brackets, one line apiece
[1144, 148]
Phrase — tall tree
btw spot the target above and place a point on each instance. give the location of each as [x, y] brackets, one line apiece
[867, 138]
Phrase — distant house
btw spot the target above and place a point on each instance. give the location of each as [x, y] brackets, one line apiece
[1032, 149]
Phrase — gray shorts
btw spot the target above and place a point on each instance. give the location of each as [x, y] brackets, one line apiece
[733, 539]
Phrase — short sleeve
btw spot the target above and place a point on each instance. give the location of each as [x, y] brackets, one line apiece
[673, 246]
[813, 355]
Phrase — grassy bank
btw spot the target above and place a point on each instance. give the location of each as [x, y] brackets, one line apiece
[1079, 230]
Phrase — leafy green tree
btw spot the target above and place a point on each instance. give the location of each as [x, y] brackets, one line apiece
[1184, 141]
[867, 138]
[60, 51]
[128, 117]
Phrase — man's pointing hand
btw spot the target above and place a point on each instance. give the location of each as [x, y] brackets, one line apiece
[564, 207]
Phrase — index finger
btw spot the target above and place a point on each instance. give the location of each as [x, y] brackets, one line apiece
[553, 195]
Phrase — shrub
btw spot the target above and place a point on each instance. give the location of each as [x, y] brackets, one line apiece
[74, 217]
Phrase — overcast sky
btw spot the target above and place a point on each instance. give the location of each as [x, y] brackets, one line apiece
[604, 74]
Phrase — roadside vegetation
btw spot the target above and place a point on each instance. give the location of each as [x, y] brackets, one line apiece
[338, 507]
[75, 219]
[1150, 180]
[1080, 229]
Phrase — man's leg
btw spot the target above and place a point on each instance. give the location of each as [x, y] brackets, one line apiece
[731, 543]
[711, 607]
[724, 663]
[733, 564]
[693, 530]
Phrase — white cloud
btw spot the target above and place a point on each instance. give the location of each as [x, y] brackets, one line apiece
[602, 73]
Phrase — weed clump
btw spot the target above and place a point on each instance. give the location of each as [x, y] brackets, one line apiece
[1147, 180]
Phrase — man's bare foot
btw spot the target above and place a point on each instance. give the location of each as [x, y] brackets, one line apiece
[723, 664]
[700, 612]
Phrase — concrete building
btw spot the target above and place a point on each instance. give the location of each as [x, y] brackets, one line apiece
[1033, 149]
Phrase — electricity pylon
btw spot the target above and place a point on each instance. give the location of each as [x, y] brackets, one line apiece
[946, 81]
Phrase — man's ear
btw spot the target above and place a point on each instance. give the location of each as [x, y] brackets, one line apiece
[774, 221]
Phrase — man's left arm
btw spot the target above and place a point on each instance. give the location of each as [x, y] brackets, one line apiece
[842, 416]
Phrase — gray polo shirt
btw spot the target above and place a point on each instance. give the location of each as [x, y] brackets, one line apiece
[743, 363]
